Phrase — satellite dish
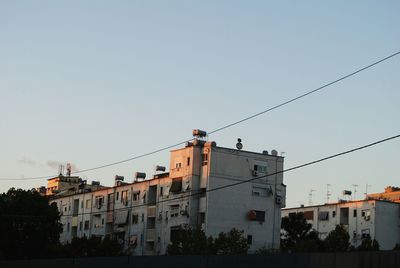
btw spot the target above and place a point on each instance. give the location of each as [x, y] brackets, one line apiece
[239, 144]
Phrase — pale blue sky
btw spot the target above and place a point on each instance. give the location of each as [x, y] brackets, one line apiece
[93, 82]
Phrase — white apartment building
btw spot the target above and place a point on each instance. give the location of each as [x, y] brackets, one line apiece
[198, 190]
[378, 219]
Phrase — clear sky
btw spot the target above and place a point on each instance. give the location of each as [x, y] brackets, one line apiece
[93, 82]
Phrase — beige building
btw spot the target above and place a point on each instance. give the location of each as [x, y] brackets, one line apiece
[391, 193]
[207, 186]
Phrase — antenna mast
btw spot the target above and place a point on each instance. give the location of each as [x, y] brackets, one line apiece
[328, 193]
[355, 191]
[310, 196]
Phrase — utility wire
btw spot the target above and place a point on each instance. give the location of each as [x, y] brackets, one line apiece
[252, 179]
[228, 185]
[223, 127]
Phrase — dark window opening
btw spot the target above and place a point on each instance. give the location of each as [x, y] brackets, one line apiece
[355, 213]
[249, 239]
[176, 186]
[309, 215]
[257, 215]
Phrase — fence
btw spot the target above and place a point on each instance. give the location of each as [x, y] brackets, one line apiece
[384, 259]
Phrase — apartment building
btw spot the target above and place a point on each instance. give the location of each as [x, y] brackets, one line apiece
[207, 186]
[378, 219]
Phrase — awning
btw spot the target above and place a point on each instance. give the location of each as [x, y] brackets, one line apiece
[121, 217]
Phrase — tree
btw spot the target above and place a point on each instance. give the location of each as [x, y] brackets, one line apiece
[190, 241]
[298, 236]
[310, 243]
[337, 240]
[368, 244]
[90, 247]
[29, 226]
[231, 243]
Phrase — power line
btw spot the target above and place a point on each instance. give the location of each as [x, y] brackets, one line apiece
[253, 179]
[223, 127]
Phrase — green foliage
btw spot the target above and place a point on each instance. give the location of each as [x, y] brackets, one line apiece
[396, 247]
[90, 247]
[337, 240]
[194, 242]
[29, 226]
[190, 242]
[297, 235]
[310, 243]
[231, 243]
[368, 245]
[264, 250]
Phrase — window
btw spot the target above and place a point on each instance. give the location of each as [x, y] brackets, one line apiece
[174, 232]
[86, 225]
[136, 196]
[259, 191]
[161, 191]
[178, 165]
[135, 218]
[292, 214]
[68, 227]
[365, 233]
[249, 239]
[188, 161]
[82, 204]
[142, 217]
[124, 197]
[204, 158]
[309, 215]
[80, 226]
[202, 217]
[99, 201]
[256, 215]
[203, 192]
[117, 197]
[176, 186]
[97, 221]
[88, 203]
[333, 214]
[366, 214]
[110, 202]
[174, 211]
[260, 168]
[355, 212]
[323, 215]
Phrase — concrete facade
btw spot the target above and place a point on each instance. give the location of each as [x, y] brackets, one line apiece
[375, 218]
[197, 191]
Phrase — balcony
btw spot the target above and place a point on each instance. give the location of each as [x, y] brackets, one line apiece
[150, 235]
[151, 211]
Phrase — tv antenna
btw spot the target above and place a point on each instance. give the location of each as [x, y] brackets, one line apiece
[354, 191]
[328, 192]
[366, 189]
[310, 196]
